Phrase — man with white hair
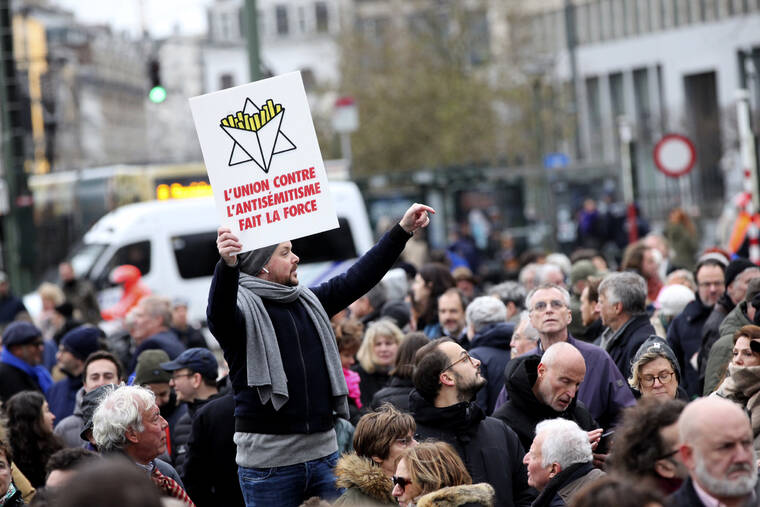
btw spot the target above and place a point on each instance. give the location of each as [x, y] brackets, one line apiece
[559, 462]
[716, 447]
[490, 338]
[128, 422]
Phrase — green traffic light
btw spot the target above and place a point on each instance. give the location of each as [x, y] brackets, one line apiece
[157, 94]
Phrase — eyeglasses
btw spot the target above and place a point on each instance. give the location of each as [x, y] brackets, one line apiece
[711, 284]
[664, 377]
[401, 482]
[541, 306]
[463, 358]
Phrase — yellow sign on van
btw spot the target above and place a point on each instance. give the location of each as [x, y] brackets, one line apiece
[165, 192]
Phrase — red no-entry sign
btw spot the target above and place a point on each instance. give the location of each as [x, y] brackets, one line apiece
[674, 155]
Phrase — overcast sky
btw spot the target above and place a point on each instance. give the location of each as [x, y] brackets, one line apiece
[161, 15]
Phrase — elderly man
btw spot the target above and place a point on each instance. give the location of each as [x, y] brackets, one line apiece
[604, 390]
[646, 445]
[21, 361]
[622, 305]
[559, 462]
[451, 316]
[284, 363]
[128, 422]
[100, 368]
[152, 320]
[491, 336]
[543, 388]
[685, 331]
[716, 447]
[524, 337]
[446, 380]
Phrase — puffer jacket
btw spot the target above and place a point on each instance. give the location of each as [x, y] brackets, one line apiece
[365, 482]
[474, 495]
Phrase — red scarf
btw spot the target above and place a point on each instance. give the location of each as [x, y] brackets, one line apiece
[169, 487]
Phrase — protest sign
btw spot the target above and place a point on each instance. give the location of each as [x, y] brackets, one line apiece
[263, 161]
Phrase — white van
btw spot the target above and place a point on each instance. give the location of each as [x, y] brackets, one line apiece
[173, 243]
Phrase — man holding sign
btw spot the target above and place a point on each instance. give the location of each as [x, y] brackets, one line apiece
[284, 363]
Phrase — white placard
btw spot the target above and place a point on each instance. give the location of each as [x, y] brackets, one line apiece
[263, 161]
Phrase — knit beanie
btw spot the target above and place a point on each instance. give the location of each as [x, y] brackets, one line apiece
[735, 268]
[149, 371]
[581, 270]
[656, 344]
[252, 262]
[82, 341]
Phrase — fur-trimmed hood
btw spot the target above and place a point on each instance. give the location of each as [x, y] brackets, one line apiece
[456, 496]
[362, 474]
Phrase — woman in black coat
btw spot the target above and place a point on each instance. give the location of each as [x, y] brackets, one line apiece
[396, 392]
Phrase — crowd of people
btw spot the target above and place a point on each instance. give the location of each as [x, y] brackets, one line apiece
[578, 382]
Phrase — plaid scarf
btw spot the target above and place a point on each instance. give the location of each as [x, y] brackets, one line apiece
[169, 487]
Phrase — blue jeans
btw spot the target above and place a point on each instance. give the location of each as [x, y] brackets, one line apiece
[289, 485]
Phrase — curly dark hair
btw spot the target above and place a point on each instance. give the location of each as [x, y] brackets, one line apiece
[439, 279]
[638, 444]
[31, 443]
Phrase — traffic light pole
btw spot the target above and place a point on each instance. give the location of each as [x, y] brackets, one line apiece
[252, 35]
[17, 223]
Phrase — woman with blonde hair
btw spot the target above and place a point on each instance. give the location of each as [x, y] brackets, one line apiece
[376, 357]
[432, 473]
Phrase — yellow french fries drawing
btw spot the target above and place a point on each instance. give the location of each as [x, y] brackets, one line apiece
[253, 122]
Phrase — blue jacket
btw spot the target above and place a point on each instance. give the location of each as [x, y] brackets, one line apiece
[685, 337]
[491, 347]
[309, 407]
[62, 396]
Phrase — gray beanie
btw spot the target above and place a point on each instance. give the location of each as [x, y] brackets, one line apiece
[658, 345]
[252, 262]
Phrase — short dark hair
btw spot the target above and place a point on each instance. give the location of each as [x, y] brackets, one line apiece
[462, 298]
[69, 458]
[104, 354]
[638, 444]
[709, 262]
[430, 362]
[376, 431]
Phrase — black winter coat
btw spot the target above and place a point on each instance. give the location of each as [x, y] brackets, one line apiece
[370, 383]
[490, 450]
[686, 496]
[396, 393]
[711, 334]
[13, 380]
[625, 346]
[523, 411]
[210, 473]
[684, 337]
[182, 430]
[491, 347]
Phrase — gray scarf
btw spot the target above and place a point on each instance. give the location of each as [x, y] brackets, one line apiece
[264, 364]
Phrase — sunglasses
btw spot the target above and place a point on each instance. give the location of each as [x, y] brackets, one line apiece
[401, 482]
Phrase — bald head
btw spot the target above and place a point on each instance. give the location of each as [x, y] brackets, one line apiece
[560, 373]
[716, 447]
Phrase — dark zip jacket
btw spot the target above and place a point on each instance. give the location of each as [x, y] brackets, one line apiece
[309, 407]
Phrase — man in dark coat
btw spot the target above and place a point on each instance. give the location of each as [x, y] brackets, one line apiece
[76, 346]
[21, 361]
[193, 377]
[716, 447]
[446, 381]
[622, 304]
[738, 274]
[210, 471]
[543, 388]
[152, 319]
[491, 336]
[286, 395]
[685, 331]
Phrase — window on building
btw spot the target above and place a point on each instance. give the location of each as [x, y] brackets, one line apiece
[321, 16]
[301, 19]
[643, 102]
[606, 19]
[281, 15]
[593, 103]
[226, 81]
